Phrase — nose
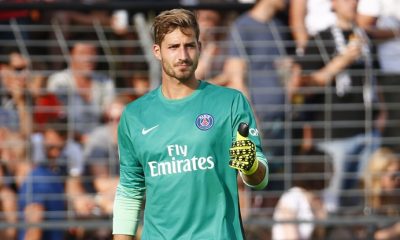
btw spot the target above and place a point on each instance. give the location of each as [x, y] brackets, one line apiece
[183, 54]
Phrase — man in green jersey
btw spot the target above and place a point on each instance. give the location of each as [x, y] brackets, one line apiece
[179, 145]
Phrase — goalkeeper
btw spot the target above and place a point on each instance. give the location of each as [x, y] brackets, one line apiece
[182, 146]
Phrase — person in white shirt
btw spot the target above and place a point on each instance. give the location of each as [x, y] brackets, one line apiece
[303, 202]
[381, 20]
[307, 18]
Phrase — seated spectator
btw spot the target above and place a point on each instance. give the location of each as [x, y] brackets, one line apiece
[101, 155]
[54, 145]
[41, 196]
[84, 91]
[102, 165]
[22, 103]
[381, 185]
[332, 62]
[303, 201]
[15, 100]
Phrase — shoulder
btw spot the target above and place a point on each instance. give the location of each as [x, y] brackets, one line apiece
[293, 195]
[41, 171]
[219, 91]
[61, 76]
[101, 78]
[137, 106]
[243, 20]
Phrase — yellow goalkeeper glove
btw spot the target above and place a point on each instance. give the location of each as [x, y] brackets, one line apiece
[243, 152]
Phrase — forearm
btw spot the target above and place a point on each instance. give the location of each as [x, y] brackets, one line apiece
[33, 234]
[326, 74]
[297, 13]
[382, 34]
[34, 214]
[124, 237]
[127, 205]
[24, 119]
[392, 232]
[369, 24]
[259, 179]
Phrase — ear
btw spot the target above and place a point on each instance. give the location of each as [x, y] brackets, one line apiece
[157, 51]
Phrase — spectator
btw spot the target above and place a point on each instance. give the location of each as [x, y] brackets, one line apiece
[381, 184]
[351, 125]
[17, 166]
[55, 146]
[22, 100]
[255, 42]
[308, 17]
[41, 197]
[66, 21]
[101, 155]
[15, 100]
[381, 20]
[83, 90]
[303, 201]
[8, 206]
[212, 55]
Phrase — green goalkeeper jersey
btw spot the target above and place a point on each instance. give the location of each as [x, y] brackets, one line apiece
[176, 152]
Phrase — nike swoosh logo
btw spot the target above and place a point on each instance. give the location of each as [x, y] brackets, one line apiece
[146, 131]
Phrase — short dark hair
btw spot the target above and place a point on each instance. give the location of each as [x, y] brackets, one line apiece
[59, 125]
[5, 53]
[168, 21]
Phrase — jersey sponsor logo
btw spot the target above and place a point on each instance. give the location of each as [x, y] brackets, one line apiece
[176, 166]
[180, 161]
[253, 132]
[146, 131]
[204, 121]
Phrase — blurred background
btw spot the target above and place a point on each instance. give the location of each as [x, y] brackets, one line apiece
[323, 78]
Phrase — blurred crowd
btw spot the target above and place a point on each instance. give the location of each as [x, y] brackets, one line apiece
[322, 77]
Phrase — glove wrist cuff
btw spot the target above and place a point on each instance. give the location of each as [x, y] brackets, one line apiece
[253, 168]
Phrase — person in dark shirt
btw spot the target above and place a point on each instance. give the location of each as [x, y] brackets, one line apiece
[347, 116]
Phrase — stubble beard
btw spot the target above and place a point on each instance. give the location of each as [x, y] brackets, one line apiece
[181, 76]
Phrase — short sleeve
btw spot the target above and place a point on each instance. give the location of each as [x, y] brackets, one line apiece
[369, 7]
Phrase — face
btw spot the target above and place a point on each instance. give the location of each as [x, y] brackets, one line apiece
[15, 74]
[83, 58]
[207, 19]
[54, 144]
[179, 54]
[114, 113]
[390, 179]
[345, 9]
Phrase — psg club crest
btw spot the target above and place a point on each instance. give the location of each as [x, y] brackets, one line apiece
[204, 121]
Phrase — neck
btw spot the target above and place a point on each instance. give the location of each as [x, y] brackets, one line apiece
[344, 24]
[262, 12]
[174, 89]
